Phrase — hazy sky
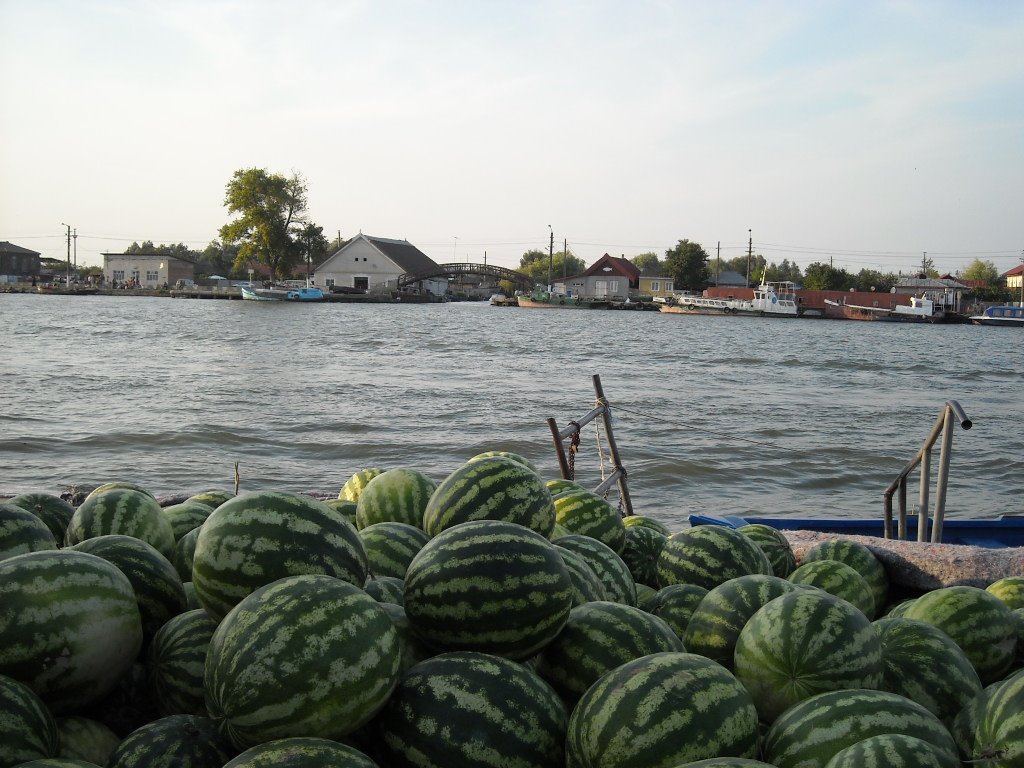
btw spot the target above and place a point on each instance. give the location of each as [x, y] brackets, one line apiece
[862, 132]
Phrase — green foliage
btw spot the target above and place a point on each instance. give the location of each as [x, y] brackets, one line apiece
[787, 270]
[217, 259]
[687, 263]
[180, 250]
[535, 264]
[824, 277]
[271, 210]
[314, 245]
[648, 261]
[873, 280]
[982, 270]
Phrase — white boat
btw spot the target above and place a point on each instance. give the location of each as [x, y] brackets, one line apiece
[1005, 315]
[920, 310]
[770, 300]
[282, 294]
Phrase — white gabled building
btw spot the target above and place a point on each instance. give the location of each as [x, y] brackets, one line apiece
[375, 264]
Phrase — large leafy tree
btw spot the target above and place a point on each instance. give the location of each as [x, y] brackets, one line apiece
[535, 264]
[271, 214]
[982, 270]
[217, 258]
[687, 263]
[314, 245]
[648, 261]
[824, 277]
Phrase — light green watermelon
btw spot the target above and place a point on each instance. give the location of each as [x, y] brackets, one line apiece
[354, 485]
[587, 514]
[186, 516]
[892, 750]
[396, 496]
[707, 555]
[774, 544]
[390, 547]
[609, 567]
[122, 511]
[862, 560]
[1009, 589]
[837, 579]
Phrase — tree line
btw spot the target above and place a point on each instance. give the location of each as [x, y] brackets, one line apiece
[271, 227]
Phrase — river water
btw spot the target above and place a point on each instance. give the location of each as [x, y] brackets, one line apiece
[711, 414]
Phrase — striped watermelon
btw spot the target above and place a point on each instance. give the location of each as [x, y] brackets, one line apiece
[117, 486]
[82, 738]
[597, 638]
[561, 486]
[28, 730]
[899, 609]
[803, 643]
[191, 601]
[259, 537]
[354, 485]
[675, 605]
[390, 547]
[892, 750]
[176, 741]
[978, 621]
[122, 511]
[385, 589]
[22, 532]
[516, 457]
[212, 497]
[645, 596]
[862, 560]
[469, 710]
[304, 656]
[586, 513]
[707, 555]
[586, 586]
[837, 579]
[726, 762]
[158, 588]
[646, 522]
[302, 752]
[774, 544]
[923, 663]
[613, 573]
[58, 762]
[990, 730]
[186, 516]
[184, 554]
[660, 711]
[175, 663]
[812, 732]
[640, 553]
[52, 510]
[347, 508]
[494, 488]
[489, 586]
[69, 627]
[396, 496]
[716, 622]
[413, 651]
[1010, 590]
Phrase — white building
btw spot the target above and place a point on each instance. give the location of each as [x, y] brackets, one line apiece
[147, 270]
[375, 264]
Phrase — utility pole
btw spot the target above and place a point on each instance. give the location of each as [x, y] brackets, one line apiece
[75, 236]
[718, 261]
[551, 256]
[67, 277]
[565, 259]
[750, 248]
[1022, 278]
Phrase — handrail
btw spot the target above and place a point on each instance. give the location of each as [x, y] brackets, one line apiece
[943, 427]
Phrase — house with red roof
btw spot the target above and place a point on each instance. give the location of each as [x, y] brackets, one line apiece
[609, 278]
[1014, 276]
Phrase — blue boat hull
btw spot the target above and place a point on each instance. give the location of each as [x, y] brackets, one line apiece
[1001, 532]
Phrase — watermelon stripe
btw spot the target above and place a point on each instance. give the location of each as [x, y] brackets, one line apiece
[304, 752]
[613, 572]
[70, 625]
[176, 661]
[122, 511]
[708, 555]
[173, 741]
[29, 730]
[390, 547]
[306, 655]
[398, 496]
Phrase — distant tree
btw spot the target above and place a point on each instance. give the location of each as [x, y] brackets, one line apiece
[314, 245]
[271, 210]
[535, 264]
[336, 243]
[687, 263]
[982, 270]
[873, 280]
[217, 259]
[648, 261]
[787, 270]
[825, 277]
[179, 250]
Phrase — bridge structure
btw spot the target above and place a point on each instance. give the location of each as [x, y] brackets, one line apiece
[460, 269]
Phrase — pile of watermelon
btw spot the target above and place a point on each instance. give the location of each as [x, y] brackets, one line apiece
[488, 619]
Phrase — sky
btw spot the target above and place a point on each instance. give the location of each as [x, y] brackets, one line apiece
[858, 133]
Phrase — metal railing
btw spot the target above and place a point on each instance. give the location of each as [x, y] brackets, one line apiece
[943, 427]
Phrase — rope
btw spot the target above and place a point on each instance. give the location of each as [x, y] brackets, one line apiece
[728, 435]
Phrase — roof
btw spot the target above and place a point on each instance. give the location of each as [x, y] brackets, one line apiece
[928, 282]
[729, 278]
[1019, 269]
[6, 247]
[622, 266]
[141, 255]
[406, 255]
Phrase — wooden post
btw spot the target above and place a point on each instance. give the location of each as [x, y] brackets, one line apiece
[616, 461]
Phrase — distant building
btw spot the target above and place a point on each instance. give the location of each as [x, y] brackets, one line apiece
[375, 263]
[609, 277]
[147, 270]
[728, 279]
[17, 262]
[655, 282]
[1014, 276]
[946, 293]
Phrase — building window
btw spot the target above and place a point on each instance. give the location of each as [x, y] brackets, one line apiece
[118, 275]
[329, 282]
[655, 285]
[613, 286]
[355, 258]
[135, 275]
[668, 285]
[363, 283]
[152, 277]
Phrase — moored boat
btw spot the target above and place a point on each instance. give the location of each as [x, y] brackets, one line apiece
[770, 300]
[545, 300]
[920, 310]
[1004, 315]
[282, 294]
